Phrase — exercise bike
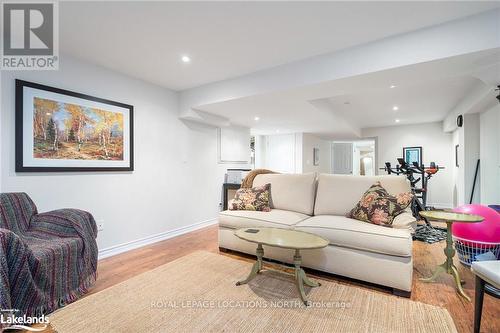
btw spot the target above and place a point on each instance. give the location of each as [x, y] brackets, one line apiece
[418, 176]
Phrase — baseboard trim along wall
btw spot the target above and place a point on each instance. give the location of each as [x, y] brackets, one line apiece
[117, 249]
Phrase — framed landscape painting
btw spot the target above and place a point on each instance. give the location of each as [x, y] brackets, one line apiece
[60, 130]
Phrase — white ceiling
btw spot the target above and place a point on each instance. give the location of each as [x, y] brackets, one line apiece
[417, 103]
[424, 92]
[229, 39]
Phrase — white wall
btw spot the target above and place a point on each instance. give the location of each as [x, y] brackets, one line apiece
[490, 156]
[309, 142]
[260, 151]
[234, 144]
[176, 182]
[281, 152]
[436, 147]
[292, 153]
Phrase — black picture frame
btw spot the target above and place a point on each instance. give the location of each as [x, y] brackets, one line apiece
[456, 156]
[417, 150]
[19, 144]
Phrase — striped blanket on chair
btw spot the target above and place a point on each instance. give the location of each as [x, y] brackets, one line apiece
[46, 260]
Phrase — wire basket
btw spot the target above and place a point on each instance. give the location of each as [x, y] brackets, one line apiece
[469, 251]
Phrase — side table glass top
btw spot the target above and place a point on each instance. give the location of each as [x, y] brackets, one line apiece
[285, 238]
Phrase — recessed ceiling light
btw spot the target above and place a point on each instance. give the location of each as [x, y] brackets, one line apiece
[277, 131]
[185, 59]
[256, 118]
[395, 108]
[48, 113]
[397, 120]
[392, 86]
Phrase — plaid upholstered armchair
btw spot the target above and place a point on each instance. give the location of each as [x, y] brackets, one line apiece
[46, 260]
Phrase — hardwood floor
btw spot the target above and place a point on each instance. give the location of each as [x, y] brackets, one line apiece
[442, 293]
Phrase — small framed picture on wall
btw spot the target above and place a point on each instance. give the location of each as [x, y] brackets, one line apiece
[456, 156]
[412, 154]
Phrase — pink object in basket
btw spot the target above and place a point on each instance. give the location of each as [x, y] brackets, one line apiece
[487, 231]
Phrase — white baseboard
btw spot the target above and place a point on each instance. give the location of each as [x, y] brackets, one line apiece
[117, 249]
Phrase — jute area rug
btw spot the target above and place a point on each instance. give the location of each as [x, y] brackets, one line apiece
[197, 293]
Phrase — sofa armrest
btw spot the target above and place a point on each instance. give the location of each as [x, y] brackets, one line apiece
[405, 220]
[66, 223]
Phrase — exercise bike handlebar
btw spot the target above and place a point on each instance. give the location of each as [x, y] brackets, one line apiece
[389, 169]
[405, 168]
[423, 168]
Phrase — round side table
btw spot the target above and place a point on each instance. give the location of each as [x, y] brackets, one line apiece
[448, 266]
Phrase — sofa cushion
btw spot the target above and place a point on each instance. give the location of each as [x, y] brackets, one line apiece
[293, 192]
[338, 194]
[347, 232]
[275, 218]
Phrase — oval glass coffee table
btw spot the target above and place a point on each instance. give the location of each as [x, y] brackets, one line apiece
[287, 239]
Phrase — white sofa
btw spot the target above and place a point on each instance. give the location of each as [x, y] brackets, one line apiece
[318, 204]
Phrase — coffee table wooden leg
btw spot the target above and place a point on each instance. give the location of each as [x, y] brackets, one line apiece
[256, 268]
[297, 261]
[301, 277]
[300, 287]
[306, 280]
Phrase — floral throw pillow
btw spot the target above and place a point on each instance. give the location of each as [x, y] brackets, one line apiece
[377, 206]
[255, 198]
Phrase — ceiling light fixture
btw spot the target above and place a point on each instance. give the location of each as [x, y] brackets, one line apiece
[277, 131]
[185, 59]
[256, 118]
[397, 120]
[392, 86]
[395, 108]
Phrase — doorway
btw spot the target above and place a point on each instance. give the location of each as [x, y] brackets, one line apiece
[354, 157]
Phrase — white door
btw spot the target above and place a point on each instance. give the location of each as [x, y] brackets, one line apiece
[342, 158]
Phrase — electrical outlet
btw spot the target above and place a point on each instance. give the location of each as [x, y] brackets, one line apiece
[100, 225]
